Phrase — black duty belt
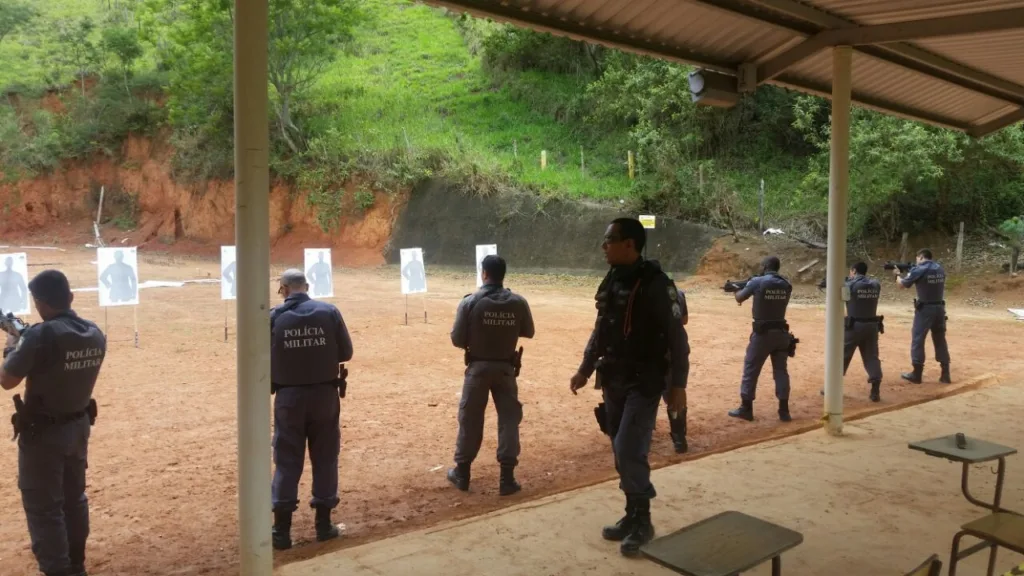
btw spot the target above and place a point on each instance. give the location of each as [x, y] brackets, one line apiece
[918, 304]
[867, 319]
[760, 326]
[26, 421]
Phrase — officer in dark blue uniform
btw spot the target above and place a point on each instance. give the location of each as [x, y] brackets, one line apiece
[863, 324]
[770, 337]
[309, 343]
[677, 421]
[929, 314]
[60, 359]
[488, 325]
[637, 338]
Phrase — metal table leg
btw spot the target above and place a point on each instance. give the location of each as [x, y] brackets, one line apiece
[992, 560]
[1000, 475]
[777, 566]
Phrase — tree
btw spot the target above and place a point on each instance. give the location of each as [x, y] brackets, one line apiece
[14, 15]
[77, 48]
[305, 36]
[123, 44]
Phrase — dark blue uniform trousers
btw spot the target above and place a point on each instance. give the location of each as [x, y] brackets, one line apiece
[51, 476]
[306, 414]
[772, 344]
[496, 379]
[863, 335]
[631, 419]
[929, 318]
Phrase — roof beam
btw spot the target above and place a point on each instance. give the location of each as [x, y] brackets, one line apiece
[994, 21]
[577, 31]
[889, 33]
[997, 124]
[898, 53]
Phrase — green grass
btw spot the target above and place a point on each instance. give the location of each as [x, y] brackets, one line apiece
[413, 85]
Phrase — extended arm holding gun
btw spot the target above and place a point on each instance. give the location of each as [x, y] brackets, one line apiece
[903, 267]
[12, 325]
[735, 285]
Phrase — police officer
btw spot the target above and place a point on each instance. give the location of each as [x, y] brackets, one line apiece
[929, 314]
[60, 357]
[863, 325]
[637, 337]
[770, 337]
[309, 343]
[677, 421]
[488, 325]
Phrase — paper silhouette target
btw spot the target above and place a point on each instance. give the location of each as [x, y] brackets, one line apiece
[119, 276]
[483, 251]
[14, 284]
[228, 280]
[414, 275]
[319, 273]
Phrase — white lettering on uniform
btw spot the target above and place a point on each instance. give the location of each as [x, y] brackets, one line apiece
[304, 337]
[499, 318]
[775, 294]
[83, 358]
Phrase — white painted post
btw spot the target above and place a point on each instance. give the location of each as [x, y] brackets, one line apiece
[252, 222]
[839, 181]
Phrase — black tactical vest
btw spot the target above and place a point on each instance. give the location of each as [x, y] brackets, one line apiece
[303, 342]
[628, 332]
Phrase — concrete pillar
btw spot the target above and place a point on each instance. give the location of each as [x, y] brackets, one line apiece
[838, 207]
[252, 239]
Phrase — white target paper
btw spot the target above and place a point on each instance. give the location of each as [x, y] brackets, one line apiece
[228, 286]
[483, 251]
[118, 270]
[14, 284]
[319, 272]
[414, 275]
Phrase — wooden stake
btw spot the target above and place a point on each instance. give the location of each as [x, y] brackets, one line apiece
[959, 247]
[629, 161]
[903, 247]
[543, 159]
[583, 170]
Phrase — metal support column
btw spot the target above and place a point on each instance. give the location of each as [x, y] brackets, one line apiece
[252, 237]
[839, 184]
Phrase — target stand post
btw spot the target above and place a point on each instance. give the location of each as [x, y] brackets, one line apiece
[135, 321]
[225, 320]
[406, 309]
[424, 308]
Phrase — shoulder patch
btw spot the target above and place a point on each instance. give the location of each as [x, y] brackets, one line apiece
[677, 312]
[672, 293]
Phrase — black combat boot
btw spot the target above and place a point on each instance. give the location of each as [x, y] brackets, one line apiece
[76, 553]
[745, 411]
[325, 529]
[945, 378]
[784, 411]
[641, 532]
[281, 533]
[915, 376]
[875, 396]
[459, 476]
[624, 526]
[508, 484]
[677, 430]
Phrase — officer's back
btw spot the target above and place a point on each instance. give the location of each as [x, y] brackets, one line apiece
[496, 322]
[864, 294]
[771, 297]
[306, 344]
[930, 281]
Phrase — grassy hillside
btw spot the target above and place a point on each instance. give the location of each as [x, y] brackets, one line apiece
[410, 92]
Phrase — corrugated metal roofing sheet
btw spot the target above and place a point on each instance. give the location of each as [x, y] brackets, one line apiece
[964, 81]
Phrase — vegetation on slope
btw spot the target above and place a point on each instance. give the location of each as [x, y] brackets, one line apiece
[395, 91]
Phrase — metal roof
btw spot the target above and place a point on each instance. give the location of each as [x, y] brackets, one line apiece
[952, 63]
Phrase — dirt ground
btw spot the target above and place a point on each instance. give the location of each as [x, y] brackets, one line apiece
[162, 476]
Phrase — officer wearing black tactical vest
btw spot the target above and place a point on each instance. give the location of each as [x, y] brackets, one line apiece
[929, 314]
[309, 344]
[769, 338]
[863, 325]
[488, 325]
[60, 357]
[637, 338]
